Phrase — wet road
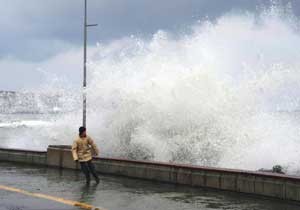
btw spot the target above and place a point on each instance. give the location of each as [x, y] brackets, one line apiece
[15, 201]
[117, 193]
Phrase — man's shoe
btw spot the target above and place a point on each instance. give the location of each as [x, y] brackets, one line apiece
[88, 181]
[97, 180]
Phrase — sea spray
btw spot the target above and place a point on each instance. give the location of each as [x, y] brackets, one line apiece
[216, 96]
[210, 97]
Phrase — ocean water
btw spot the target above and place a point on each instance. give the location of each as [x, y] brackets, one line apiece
[223, 93]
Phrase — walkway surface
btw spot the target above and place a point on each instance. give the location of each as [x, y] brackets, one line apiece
[27, 187]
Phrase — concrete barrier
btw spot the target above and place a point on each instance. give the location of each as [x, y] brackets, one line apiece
[61, 156]
[259, 183]
[23, 156]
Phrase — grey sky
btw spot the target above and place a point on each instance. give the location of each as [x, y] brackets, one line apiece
[35, 31]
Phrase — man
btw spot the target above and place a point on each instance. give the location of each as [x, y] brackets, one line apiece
[82, 150]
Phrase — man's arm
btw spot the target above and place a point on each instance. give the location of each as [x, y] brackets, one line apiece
[74, 151]
[94, 146]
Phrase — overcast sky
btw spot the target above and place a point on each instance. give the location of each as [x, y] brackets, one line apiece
[47, 34]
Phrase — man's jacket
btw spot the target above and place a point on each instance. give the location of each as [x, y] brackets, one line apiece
[83, 149]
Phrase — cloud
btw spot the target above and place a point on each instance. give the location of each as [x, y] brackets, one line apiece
[11, 71]
[18, 74]
[40, 33]
[34, 25]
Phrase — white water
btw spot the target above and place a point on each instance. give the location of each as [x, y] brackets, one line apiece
[25, 123]
[210, 97]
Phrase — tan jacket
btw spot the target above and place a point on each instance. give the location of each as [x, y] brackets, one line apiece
[84, 148]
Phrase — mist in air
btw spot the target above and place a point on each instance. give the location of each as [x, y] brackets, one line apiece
[224, 94]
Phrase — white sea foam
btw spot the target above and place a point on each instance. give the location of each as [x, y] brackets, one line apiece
[208, 97]
[25, 123]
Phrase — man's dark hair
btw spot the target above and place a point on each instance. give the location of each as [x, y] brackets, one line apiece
[81, 130]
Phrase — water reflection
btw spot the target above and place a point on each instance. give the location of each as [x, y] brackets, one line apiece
[88, 193]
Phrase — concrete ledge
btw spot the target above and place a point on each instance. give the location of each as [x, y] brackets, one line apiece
[23, 156]
[259, 183]
[61, 157]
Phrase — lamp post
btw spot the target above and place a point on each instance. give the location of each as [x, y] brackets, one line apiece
[84, 62]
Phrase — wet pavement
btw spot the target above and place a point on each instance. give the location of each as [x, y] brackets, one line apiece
[15, 201]
[117, 193]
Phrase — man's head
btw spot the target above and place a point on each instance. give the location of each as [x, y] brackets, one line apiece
[82, 131]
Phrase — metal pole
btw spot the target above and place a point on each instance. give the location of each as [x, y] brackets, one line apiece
[84, 64]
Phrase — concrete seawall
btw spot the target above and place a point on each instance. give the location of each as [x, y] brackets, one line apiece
[259, 183]
[23, 156]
